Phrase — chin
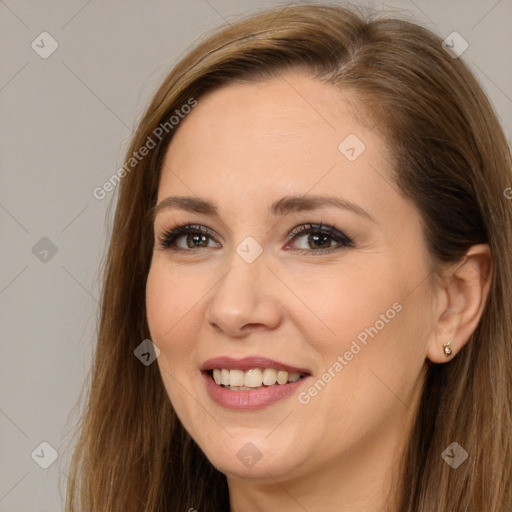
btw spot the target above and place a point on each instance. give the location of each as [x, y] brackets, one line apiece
[253, 457]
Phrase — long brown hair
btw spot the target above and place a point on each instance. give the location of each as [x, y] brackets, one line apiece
[450, 157]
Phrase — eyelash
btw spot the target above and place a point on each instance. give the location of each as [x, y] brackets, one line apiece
[168, 238]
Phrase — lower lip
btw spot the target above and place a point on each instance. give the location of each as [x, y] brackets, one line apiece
[249, 400]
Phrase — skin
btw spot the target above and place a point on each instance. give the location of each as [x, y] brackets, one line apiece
[243, 147]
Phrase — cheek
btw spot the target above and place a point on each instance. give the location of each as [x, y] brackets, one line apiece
[367, 319]
[371, 372]
[159, 305]
[383, 352]
[347, 303]
[170, 312]
[172, 306]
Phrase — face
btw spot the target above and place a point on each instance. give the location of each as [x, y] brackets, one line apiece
[302, 256]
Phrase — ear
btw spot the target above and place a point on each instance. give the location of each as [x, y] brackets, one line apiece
[463, 294]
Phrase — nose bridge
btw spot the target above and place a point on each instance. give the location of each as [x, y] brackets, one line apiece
[241, 296]
[244, 276]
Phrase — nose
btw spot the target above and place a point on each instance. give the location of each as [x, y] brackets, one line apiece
[246, 298]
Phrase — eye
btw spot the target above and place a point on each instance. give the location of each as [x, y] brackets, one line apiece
[193, 236]
[319, 238]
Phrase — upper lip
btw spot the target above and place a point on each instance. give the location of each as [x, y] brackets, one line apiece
[248, 363]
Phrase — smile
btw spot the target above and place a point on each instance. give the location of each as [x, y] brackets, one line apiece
[255, 378]
[250, 383]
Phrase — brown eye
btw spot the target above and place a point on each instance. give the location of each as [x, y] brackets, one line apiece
[319, 238]
[195, 237]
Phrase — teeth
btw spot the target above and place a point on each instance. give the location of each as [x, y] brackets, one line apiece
[236, 377]
[282, 377]
[224, 377]
[269, 377]
[253, 378]
[293, 377]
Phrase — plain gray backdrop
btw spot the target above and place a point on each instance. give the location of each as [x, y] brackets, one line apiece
[66, 120]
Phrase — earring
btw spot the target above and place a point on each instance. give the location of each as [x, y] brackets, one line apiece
[447, 349]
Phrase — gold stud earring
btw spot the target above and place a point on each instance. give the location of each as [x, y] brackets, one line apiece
[447, 349]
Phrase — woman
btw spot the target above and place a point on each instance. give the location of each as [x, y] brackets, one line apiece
[307, 297]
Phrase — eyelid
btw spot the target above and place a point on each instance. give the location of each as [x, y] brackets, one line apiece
[308, 227]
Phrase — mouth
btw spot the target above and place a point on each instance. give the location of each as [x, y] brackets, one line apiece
[254, 378]
[251, 383]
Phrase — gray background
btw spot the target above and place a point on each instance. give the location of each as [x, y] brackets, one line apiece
[65, 124]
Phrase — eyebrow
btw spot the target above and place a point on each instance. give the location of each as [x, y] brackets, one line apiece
[283, 206]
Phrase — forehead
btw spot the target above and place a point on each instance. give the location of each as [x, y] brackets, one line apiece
[287, 135]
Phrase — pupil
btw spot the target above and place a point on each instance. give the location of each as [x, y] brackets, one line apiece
[317, 237]
[195, 238]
